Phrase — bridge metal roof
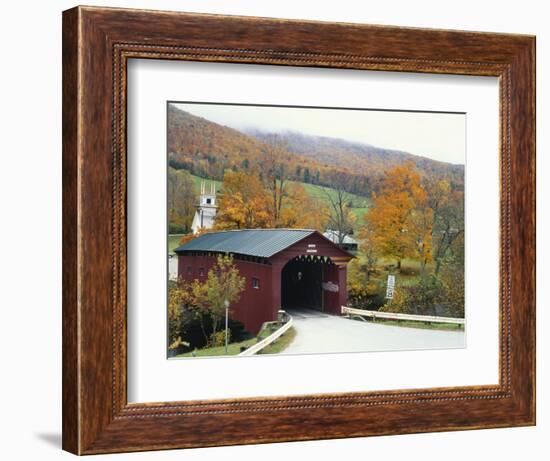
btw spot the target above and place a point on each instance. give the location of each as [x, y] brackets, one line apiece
[262, 243]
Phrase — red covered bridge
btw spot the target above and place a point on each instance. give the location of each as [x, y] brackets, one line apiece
[283, 268]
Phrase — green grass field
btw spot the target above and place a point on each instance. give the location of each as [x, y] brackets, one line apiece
[198, 180]
[321, 193]
[173, 242]
[360, 205]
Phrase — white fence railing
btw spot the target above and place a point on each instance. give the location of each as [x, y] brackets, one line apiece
[397, 316]
[267, 341]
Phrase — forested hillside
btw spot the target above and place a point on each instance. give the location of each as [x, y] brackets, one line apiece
[371, 160]
[207, 149]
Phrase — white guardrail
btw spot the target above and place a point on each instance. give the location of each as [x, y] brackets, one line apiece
[267, 341]
[397, 316]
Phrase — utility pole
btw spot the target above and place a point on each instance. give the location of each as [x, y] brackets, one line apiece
[226, 304]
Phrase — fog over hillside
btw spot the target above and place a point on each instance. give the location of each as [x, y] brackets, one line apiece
[207, 149]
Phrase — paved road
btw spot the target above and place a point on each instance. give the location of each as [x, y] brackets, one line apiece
[321, 333]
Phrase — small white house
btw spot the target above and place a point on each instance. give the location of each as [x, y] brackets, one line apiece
[348, 242]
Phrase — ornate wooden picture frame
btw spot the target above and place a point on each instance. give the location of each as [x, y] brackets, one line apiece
[97, 44]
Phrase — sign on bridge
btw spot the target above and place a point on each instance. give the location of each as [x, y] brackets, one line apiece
[331, 286]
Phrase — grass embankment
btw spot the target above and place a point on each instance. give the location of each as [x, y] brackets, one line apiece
[416, 324]
[281, 343]
[232, 349]
[276, 347]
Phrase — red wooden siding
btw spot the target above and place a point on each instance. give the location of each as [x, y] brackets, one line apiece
[259, 305]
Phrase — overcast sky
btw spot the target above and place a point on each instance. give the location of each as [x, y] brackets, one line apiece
[434, 135]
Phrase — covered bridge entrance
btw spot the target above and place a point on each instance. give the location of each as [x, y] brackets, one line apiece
[283, 268]
[304, 283]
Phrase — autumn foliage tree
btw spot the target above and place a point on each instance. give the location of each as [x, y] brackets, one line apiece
[302, 211]
[401, 218]
[422, 218]
[181, 200]
[448, 220]
[340, 219]
[367, 247]
[420, 228]
[178, 297]
[243, 203]
[190, 236]
[223, 284]
[274, 173]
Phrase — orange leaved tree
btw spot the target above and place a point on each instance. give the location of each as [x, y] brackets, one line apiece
[401, 218]
[243, 203]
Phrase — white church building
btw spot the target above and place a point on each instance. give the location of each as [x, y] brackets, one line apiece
[206, 209]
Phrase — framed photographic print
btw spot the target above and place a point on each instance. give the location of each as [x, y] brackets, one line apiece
[281, 230]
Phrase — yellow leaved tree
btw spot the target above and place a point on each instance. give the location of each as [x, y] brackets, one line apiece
[243, 203]
[401, 218]
[302, 211]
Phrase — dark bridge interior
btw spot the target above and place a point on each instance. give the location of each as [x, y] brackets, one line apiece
[301, 283]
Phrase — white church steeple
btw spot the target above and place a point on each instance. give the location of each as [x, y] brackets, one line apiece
[206, 209]
[208, 199]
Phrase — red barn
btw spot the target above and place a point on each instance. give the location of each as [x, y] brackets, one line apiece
[283, 268]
